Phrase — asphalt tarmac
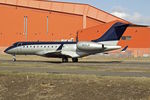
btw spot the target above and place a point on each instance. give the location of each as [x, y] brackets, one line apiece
[98, 68]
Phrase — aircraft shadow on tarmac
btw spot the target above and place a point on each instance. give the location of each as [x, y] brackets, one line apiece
[59, 62]
[99, 62]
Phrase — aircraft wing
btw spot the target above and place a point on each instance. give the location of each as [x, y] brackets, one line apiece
[42, 53]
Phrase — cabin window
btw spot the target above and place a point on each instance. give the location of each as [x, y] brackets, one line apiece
[44, 46]
[126, 38]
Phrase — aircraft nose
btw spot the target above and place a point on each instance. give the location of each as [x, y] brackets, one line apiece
[6, 50]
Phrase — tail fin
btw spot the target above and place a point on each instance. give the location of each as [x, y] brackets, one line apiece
[114, 33]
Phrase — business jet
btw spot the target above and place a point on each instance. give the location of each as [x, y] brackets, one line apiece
[74, 50]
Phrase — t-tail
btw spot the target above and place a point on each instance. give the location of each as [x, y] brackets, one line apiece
[113, 35]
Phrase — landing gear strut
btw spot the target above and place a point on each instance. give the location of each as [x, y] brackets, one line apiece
[74, 59]
[65, 59]
[14, 58]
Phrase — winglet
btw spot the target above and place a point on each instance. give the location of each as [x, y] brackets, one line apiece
[60, 47]
[124, 49]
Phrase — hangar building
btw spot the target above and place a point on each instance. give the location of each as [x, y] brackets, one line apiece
[41, 20]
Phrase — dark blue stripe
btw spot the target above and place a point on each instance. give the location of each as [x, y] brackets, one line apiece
[36, 43]
[40, 43]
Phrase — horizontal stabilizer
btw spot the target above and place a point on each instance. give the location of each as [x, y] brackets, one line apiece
[124, 49]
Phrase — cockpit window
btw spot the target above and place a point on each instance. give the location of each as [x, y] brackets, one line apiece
[15, 44]
[19, 44]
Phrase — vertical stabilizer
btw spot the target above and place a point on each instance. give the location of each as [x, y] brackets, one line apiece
[114, 34]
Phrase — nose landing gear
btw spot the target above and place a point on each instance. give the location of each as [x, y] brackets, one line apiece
[14, 58]
[65, 59]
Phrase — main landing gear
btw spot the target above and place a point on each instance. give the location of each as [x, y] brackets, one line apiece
[14, 58]
[74, 59]
[65, 60]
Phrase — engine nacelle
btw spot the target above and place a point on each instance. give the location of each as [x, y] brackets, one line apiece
[89, 46]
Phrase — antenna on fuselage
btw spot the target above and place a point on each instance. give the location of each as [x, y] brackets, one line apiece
[77, 37]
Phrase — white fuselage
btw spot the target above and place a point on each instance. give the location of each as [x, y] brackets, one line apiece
[68, 49]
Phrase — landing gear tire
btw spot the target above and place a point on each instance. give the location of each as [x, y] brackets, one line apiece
[14, 59]
[65, 60]
[74, 59]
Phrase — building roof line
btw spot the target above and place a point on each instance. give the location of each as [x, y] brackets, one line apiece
[92, 11]
[63, 2]
[109, 14]
[84, 4]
